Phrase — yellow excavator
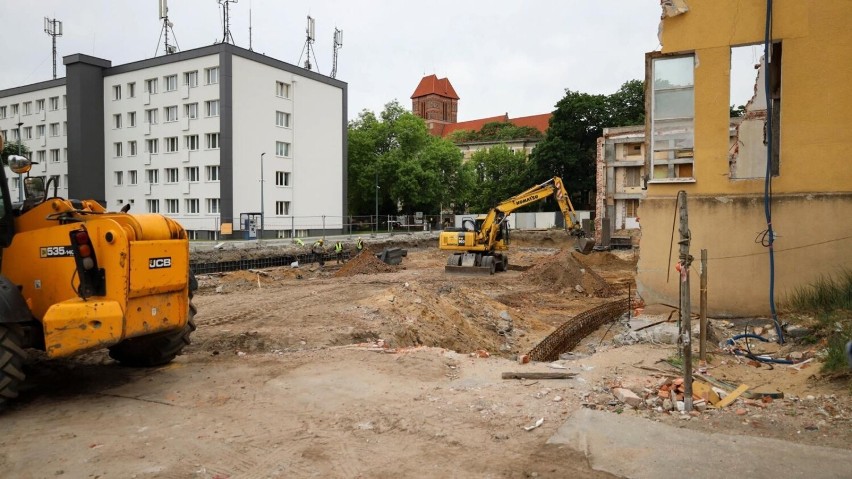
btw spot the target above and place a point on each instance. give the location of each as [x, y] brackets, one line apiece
[77, 278]
[477, 244]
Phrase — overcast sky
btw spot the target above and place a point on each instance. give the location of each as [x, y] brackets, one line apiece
[500, 55]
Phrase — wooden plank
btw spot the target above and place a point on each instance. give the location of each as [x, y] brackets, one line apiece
[533, 375]
[732, 397]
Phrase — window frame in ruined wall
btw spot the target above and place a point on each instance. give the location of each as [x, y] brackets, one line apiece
[681, 169]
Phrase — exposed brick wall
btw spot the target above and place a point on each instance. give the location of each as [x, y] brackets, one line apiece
[600, 189]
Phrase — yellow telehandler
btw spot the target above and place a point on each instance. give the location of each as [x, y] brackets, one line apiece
[76, 278]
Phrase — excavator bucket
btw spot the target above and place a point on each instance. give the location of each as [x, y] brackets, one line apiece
[585, 245]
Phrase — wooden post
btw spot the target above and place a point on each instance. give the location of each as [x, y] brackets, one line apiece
[685, 307]
[702, 341]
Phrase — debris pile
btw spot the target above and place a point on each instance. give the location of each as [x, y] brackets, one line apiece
[365, 263]
[564, 272]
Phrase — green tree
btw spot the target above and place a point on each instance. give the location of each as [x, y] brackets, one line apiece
[497, 173]
[495, 131]
[569, 149]
[414, 170]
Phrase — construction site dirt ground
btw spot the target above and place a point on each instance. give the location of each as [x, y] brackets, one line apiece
[368, 370]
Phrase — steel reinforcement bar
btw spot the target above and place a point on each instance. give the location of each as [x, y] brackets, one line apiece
[568, 335]
[258, 263]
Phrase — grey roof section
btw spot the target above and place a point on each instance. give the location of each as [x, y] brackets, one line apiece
[217, 49]
[81, 57]
[33, 87]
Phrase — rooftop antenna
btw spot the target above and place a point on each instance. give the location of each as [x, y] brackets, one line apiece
[308, 49]
[164, 32]
[226, 21]
[338, 44]
[250, 48]
[53, 27]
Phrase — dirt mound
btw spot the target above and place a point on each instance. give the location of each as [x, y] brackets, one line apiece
[364, 263]
[564, 271]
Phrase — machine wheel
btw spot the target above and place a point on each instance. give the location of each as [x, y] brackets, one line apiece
[489, 263]
[505, 264]
[12, 357]
[157, 349]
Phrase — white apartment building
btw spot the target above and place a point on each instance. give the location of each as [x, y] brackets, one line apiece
[186, 135]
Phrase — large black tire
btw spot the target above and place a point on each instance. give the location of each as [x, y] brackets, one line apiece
[12, 357]
[154, 350]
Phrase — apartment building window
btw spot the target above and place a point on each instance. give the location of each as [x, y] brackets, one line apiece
[212, 173]
[16, 134]
[282, 148]
[64, 128]
[131, 90]
[153, 206]
[212, 141]
[212, 205]
[170, 82]
[282, 208]
[211, 107]
[172, 205]
[132, 177]
[131, 119]
[54, 155]
[282, 89]
[152, 176]
[53, 103]
[28, 133]
[14, 109]
[116, 92]
[282, 178]
[171, 113]
[116, 149]
[632, 177]
[282, 119]
[191, 142]
[39, 106]
[190, 110]
[190, 173]
[2, 112]
[131, 147]
[41, 156]
[151, 116]
[672, 117]
[152, 146]
[193, 206]
[119, 178]
[211, 75]
[630, 208]
[54, 129]
[151, 86]
[171, 144]
[171, 175]
[28, 108]
[40, 131]
[191, 78]
[116, 120]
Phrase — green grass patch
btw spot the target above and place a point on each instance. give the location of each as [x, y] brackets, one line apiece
[826, 294]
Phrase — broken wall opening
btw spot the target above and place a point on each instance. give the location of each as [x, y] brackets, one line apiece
[748, 145]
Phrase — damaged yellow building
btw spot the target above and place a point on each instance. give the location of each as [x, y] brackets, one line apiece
[688, 148]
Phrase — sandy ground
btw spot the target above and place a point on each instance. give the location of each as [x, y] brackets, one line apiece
[329, 373]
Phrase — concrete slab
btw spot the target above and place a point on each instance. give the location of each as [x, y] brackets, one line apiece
[630, 446]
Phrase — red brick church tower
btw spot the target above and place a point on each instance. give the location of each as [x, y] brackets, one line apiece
[435, 101]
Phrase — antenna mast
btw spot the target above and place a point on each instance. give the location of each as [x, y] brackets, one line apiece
[338, 44]
[250, 48]
[167, 27]
[308, 49]
[226, 21]
[53, 27]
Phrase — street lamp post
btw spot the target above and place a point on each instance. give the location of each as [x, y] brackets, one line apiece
[262, 215]
[377, 202]
[20, 175]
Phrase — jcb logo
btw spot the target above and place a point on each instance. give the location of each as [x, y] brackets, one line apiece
[156, 263]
